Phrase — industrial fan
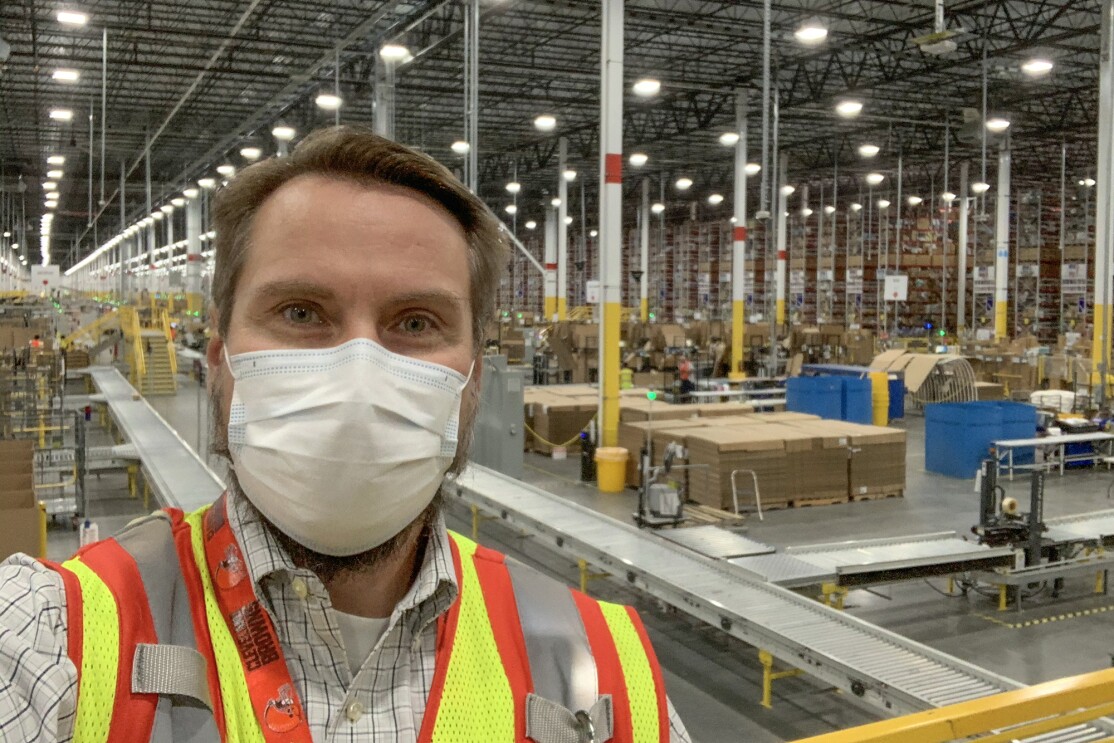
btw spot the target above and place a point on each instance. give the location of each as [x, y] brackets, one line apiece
[942, 39]
[940, 378]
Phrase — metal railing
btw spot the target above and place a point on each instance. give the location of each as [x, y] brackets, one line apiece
[133, 335]
[93, 330]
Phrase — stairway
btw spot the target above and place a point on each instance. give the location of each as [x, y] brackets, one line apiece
[159, 377]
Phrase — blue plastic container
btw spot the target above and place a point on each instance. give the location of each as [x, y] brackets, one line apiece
[897, 398]
[858, 403]
[958, 435]
[820, 396]
[1019, 421]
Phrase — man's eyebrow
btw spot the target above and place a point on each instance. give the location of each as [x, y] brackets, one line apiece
[294, 287]
[434, 296]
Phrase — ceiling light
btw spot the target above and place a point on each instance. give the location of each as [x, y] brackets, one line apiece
[715, 199]
[49, 186]
[328, 101]
[829, 209]
[178, 201]
[7, 233]
[568, 220]
[54, 175]
[72, 18]
[914, 200]
[250, 153]
[752, 169]
[51, 204]
[683, 184]
[811, 32]
[166, 209]
[569, 175]
[997, 124]
[729, 139]
[647, 87]
[806, 212]
[869, 150]
[283, 132]
[978, 187]
[51, 195]
[856, 207]
[66, 75]
[787, 190]
[393, 52]
[849, 108]
[545, 123]
[460, 147]
[882, 203]
[1037, 66]
[190, 193]
[61, 114]
[56, 160]
[514, 187]
[531, 225]
[1087, 183]
[226, 170]
[510, 209]
[207, 182]
[658, 208]
[156, 215]
[874, 179]
[638, 159]
[594, 233]
[948, 196]
[555, 202]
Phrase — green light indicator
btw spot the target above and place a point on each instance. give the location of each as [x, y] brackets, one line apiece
[653, 316]
[942, 333]
[506, 313]
[651, 395]
[518, 315]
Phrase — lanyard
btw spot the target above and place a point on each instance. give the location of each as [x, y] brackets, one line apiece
[273, 697]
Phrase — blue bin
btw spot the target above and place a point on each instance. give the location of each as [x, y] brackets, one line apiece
[958, 435]
[897, 397]
[858, 403]
[1019, 421]
[820, 396]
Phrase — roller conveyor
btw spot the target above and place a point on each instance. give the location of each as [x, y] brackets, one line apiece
[178, 476]
[882, 668]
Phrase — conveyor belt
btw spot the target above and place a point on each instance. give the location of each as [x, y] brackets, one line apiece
[178, 476]
[1097, 526]
[889, 671]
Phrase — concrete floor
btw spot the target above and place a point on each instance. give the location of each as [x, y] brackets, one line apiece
[715, 682]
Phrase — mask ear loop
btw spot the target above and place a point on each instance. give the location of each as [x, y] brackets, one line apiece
[227, 360]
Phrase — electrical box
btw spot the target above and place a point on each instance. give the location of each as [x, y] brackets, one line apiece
[498, 439]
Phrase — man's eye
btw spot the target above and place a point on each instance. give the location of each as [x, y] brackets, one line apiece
[415, 325]
[300, 314]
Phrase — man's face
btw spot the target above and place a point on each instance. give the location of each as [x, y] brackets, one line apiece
[330, 261]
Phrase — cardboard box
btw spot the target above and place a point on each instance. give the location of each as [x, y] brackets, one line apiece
[19, 531]
[724, 450]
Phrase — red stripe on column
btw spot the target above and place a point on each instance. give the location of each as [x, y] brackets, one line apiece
[550, 266]
[613, 169]
[783, 255]
[192, 258]
[740, 234]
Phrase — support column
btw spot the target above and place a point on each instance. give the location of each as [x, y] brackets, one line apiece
[165, 283]
[193, 255]
[782, 256]
[551, 218]
[961, 252]
[739, 241]
[562, 230]
[611, 215]
[1002, 240]
[644, 257]
[1104, 199]
[383, 118]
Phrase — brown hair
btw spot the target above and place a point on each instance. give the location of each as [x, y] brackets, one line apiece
[356, 154]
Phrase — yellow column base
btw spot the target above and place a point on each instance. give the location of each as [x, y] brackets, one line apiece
[738, 339]
[550, 308]
[644, 310]
[1000, 312]
[609, 374]
[779, 315]
[562, 308]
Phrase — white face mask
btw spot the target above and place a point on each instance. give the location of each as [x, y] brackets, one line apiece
[341, 448]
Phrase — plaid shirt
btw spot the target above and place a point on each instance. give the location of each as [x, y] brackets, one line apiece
[384, 702]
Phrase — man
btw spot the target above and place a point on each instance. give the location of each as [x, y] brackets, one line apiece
[321, 597]
[684, 373]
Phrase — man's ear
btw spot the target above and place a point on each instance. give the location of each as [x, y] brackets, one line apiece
[214, 352]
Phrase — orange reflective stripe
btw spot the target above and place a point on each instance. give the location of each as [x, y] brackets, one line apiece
[133, 715]
[75, 625]
[608, 669]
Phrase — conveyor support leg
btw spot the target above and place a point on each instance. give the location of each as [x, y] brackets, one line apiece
[834, 595]
[1100, 581]
[1003, 597]
[586, 575]
[769, 676]
[133, 471]
[477, 519]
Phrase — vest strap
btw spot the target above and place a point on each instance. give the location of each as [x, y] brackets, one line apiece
[171, 670]
[549, 722]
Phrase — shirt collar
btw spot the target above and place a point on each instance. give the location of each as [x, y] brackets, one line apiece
[435, 585]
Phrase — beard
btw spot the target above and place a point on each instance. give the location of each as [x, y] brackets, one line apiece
[331, 567]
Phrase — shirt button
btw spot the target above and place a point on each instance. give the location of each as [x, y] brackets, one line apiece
[354, 711]
[301, 590]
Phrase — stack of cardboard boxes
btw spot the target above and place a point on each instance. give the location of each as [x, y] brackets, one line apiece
[19, 514]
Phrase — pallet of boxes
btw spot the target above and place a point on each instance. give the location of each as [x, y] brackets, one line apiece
[555, 416]
[19, 513]
[796, 458]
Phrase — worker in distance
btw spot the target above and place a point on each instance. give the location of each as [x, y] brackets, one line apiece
[321, 597]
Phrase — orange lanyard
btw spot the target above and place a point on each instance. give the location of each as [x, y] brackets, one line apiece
[273, 697]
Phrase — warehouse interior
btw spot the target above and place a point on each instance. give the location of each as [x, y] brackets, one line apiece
[802, 347]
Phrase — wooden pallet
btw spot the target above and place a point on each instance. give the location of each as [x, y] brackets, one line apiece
[697, 514]
[879, 495]
[807, 502]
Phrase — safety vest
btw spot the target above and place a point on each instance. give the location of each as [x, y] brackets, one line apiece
[171, 644]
